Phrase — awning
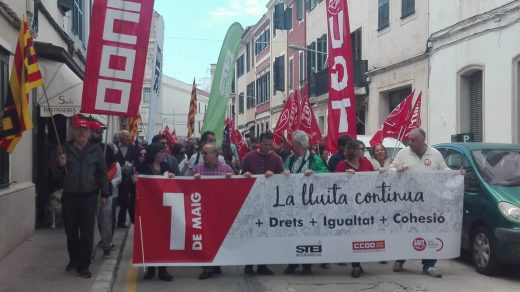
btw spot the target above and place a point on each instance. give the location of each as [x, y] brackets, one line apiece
[64, 89]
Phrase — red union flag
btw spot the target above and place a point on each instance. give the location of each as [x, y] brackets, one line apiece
[395, 123]
[342, 108]
[116, 56]
[308, 122]
[284, 121]
[415, 119]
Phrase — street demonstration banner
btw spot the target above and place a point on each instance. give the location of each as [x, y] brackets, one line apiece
[324, 218]
[116, 57]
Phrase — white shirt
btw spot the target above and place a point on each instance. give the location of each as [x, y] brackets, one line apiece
[431, 160]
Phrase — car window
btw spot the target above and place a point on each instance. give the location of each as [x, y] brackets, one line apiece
[455, 159]
[500, 167]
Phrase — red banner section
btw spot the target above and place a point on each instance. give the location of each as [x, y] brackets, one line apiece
[185, 222]
[342, 107]
[116, 57]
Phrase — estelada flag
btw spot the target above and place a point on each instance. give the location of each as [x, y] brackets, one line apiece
[25, 76]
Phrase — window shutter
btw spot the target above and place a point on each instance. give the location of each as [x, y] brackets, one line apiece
[287, 23]
[475, 87]
[279, 16]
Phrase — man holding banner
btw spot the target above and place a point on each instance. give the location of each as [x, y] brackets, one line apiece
[419, 156]
[262, 161]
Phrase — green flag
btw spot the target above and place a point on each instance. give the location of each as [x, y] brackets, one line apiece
[221, 86]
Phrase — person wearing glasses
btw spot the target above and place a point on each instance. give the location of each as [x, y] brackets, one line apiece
[211, 166]
[196, 158]
[170, 159]
[154, 164]
[355, 161]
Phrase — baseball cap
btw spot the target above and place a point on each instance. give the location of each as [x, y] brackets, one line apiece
[78, 122]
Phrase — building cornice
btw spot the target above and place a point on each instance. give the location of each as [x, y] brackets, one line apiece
[487, 22]
[406, 62]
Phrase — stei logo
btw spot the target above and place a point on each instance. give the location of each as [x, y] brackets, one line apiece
[368, 245]
[312, 250]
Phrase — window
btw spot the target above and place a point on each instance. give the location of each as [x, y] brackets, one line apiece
[77, 19]
[299, 9]
[311, 4]
[395, 97]
[322, 55]
[470, 104]
[240, 66]
[4, 81]
[262, 42]
[383, 17]
[291, 74]
[267, 126]
[241, 103]
[311, 58]
[301, 76]
[356, 44]
[250, 95]
[407, 8]
[248, 58]
[147, 91]
[263, 92]
[199, 107]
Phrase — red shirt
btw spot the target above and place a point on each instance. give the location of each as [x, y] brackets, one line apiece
[364, 165]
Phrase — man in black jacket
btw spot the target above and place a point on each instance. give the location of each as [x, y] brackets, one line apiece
[125, 155]
[83, 170]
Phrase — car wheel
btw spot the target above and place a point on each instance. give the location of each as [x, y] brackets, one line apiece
[484, 252]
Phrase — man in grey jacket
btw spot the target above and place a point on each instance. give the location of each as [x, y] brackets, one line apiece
[83, 170]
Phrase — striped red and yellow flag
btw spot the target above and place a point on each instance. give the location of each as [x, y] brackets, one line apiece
[25, 76]
[132, 126]
[193, 110]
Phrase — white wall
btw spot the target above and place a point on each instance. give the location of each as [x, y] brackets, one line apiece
[495, 52]
[444, 13]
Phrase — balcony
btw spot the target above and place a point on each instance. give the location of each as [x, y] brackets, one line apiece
[319, 81]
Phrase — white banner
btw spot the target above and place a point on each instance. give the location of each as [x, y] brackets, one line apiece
[324, 218]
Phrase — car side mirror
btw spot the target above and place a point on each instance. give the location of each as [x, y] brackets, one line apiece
[471, 183]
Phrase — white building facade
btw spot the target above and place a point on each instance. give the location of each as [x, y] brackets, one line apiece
[175, 106]
[475, 70]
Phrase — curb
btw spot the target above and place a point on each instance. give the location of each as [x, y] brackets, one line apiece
[106, 275]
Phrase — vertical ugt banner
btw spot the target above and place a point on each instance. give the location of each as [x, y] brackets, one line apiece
[116, 56]
[342, 107]
[221, 85]
[156, 77]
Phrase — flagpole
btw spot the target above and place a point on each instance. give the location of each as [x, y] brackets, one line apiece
[60, 149]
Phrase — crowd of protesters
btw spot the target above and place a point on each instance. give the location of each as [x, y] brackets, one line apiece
[111, 170]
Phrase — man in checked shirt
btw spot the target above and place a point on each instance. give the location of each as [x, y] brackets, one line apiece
[211, 166]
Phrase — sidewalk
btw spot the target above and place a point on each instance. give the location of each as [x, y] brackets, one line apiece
[39, 263]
